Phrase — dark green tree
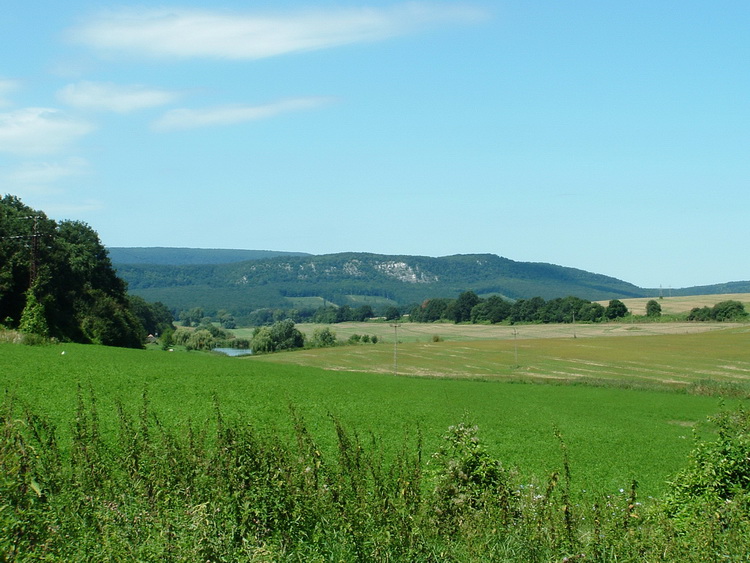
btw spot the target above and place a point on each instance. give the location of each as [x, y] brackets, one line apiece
[226, 319]
[430, 310]
[193, 317]
[461, 310]
[591, 312]
[494, 309]
[653, 309]
[392, 313]
[527, 310]
[562, 310]
[343, 314]
[325, 315]
[699, 314]
[156, 318]
[362, 313]
[323, 338]
[616, 309]
[281, 335]
[728, 310]
[104, 320]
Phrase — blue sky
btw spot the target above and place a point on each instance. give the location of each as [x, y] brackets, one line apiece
[611, 137]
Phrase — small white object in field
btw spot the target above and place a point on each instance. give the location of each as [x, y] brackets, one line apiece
[62, 353]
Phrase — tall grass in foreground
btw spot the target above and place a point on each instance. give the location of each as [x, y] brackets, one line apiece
[154, 492]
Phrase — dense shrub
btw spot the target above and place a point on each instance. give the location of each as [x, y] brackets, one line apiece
[718, 470]
[468, 481]
[323, 338]
[723, 311]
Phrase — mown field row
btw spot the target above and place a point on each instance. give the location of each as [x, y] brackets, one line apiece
[428, 332]
[671, 354]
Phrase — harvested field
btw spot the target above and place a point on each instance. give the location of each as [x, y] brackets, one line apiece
[663, 354]
[677, 305]
[427, 332]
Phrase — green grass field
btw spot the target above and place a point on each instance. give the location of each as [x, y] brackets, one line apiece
[613, 434]
[143, 468]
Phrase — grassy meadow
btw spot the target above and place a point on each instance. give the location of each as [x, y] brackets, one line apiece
[613, 433]
[325, 455]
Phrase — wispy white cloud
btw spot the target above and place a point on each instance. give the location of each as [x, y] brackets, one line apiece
[41, 174]
[194, 33]
[6, 87]
[105, 96]
[226, 115]
[32, 131]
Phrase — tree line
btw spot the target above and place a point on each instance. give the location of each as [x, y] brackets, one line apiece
[469, 307]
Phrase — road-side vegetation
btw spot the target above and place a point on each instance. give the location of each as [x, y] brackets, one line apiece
[150, 491]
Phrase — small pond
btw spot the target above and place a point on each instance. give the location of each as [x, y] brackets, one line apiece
[234, 351]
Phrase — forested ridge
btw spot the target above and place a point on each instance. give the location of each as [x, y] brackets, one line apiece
[342, 278]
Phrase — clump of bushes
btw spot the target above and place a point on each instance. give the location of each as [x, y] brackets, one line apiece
[281, 335]
[323, 338]
[729, 310]
[206, 337]
[362, 339]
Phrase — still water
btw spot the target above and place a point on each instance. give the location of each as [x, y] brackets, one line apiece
[233, 351]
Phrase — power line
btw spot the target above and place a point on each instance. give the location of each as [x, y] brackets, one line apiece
[34, 257]
[395, 348]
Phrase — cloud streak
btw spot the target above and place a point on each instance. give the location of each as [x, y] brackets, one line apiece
[193, 33]
[104, 96]
[181, 119]
[33, 131]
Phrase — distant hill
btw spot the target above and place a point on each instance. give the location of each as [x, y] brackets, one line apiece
[298, 281]
[187, 256]
[719, 288]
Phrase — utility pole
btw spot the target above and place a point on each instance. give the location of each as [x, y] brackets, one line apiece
[33, 238]
[34, 264]
[395, 348]
[515, 345]
[574, 324]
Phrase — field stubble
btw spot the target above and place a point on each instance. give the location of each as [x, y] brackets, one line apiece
[661, 354]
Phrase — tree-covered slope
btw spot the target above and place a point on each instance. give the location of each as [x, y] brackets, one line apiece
[715, 289]
[56, 280]
[276, 281]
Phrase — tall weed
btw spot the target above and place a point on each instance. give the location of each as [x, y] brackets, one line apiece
[153, 492]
